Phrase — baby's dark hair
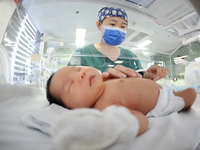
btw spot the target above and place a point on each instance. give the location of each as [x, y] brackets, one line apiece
[50, 97]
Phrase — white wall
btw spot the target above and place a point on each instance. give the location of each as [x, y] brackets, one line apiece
[7, 8]
[5, 63]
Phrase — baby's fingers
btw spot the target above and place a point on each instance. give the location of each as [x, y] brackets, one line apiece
[127, 71]
[116, 73]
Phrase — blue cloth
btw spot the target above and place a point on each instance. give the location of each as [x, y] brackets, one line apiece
[107, 12]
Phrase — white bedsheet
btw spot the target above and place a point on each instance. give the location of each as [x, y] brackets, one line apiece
[43, 119]
[178, 131]
[173, 132]
[15, 101]
[92, 129]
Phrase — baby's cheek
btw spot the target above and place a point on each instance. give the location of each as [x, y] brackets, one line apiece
[84, 99]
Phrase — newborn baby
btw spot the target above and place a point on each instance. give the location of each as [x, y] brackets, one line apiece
[84, 87]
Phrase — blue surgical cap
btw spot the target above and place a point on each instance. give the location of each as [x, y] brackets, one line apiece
[107, 12]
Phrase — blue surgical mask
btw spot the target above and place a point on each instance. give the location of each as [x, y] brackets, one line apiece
[113, 35]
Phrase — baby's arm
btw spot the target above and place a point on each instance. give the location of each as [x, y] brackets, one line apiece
[143, 121]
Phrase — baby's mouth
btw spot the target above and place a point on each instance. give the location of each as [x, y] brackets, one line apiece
[91, 79]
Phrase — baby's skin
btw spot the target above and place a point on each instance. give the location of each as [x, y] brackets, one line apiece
[83, 87]
[133, 93]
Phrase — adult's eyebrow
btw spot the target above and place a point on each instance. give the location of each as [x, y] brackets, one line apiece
[124, 23]
[113, 20]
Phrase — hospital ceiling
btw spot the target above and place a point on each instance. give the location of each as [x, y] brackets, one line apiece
[168, 23]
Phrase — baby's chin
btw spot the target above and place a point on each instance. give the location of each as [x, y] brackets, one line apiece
[82, 106]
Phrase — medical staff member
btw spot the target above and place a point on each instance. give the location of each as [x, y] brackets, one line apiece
[104, 56]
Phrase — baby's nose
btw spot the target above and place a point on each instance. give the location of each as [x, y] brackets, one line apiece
[81, 75]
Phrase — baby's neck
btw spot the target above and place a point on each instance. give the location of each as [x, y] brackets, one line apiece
[106, 96]
[99, 97]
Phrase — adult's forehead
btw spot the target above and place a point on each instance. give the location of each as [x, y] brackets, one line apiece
[116, 19]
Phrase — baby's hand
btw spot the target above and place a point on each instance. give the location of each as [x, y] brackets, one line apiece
[122, 72]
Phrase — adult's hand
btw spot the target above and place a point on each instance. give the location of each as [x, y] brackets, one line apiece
[120, 72]
[156, 72]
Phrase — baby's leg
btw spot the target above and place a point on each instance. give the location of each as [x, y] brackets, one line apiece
[189, 95]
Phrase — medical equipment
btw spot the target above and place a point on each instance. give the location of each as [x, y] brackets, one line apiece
[192, 74]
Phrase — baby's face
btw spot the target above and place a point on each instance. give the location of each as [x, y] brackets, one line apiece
[77, 87]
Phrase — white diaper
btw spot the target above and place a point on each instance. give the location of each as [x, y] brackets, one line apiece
[167, 103]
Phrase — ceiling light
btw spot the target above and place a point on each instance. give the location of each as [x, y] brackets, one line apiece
[80, 36]
[139, 48]
[145, 43]
[197, 59]
[145, 53]
[141, 3]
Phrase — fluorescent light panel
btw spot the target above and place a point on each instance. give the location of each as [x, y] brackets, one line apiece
[145, 43]
[145, 3]
[145, 53]
[80, 36]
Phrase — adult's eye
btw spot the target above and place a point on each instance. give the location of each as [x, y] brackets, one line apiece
[123, 27]
[112, 24]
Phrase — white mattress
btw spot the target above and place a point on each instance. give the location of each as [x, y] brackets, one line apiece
[16, 101]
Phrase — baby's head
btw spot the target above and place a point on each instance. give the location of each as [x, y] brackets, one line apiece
[75, 87]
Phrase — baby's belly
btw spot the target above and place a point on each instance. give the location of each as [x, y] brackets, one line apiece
[136, 94]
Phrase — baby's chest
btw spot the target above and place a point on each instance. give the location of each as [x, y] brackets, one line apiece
[116, 95]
